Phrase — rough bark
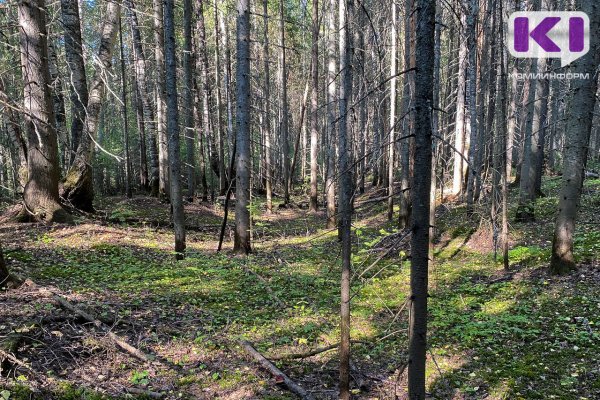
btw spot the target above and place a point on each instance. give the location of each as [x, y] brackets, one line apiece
[424, 49]
[15, 135]
[58, 102]
[578, 130]
[267, 123]
[77, 79]
[188, 100]
[173, 130]
[128, 192]
[40, 197]
[78, 185]
[471, 100]
[243, 161]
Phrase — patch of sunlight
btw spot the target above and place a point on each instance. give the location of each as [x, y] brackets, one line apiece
[496, 306]
[501, 391]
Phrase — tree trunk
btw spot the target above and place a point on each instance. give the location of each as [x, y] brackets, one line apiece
[159, 150]
[314, 129]
[391, 142]
[58, 102]
[424, 52]
[267, 124]
[188, 99]
[139, 113]
[471, 100]
[243, 161]
[345, 189]
[578, 130]
[78, 185]
[40, 198]
[284, 105]
[331, 101]
[125, 116]
[77, 78]
[173, 130]
[459, 125]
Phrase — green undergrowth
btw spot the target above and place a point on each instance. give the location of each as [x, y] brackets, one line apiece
[530, 336]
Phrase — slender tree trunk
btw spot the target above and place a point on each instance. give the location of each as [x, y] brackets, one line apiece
[40, 197]
[424, 49]
[331, 101]
[188, 99]
[471, 100]
[578, 131]
[158, 146]
[393, 81]
[139, 112]
[242, 213]
[314, 128]
[345, 188]
[459, 125]
[58, 102]
[125, 116]
[77, 79]
[173, 130]
[267, 124]
[285, 141]
[219, 124]
[539, 129]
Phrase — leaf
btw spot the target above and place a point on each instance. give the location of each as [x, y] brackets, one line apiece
[5, 394]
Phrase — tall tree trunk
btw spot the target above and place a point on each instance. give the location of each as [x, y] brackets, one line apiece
[345, 188]
[139, 113]
[405, 203]
[392, 137]
[158, 146]
[459, 125]
[219, 124]
[331, 101]
[314, 129]
[267, 124]
[578, 130]
[78, 185]
[424, 52]
[471, 100]
[284, 105]
[125, 116]
[243, 161]
[539, 128]
[202, 66]
[58, 102]
[173, 129]
[188, 99]
[40, 198]
[77, 79]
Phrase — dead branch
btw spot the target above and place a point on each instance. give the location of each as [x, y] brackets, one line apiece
[120, 342]
[311, 353]
[147, 393]
[276, 372]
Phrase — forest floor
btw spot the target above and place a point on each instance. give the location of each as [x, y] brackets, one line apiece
[493, 335]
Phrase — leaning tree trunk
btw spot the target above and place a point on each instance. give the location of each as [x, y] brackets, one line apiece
[40, 197]
[77, 79]
[424, 49]
[579, 127]
[243, 160]
[173, 130]
[78, 185]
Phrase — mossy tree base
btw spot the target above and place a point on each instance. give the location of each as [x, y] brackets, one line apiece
[78, 187]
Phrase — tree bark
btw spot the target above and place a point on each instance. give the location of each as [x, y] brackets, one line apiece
[314, 129]
[173, 130]
[391, 142]
[77, 79]
[285, 142]
[471, 100]
[268, 133]
[158, 147]
[188, 99]
[243, 161]
[424, 49]
[40, 197]
[128, 192]
[459, 125]
[578, 130]
[16, 137]
[331, 100]
[78, 185]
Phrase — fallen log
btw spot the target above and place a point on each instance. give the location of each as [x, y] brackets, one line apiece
[120, 342]
[280, 377]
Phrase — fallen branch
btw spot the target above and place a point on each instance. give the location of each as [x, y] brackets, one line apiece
[311, 353]
[120, 342]
[280, 377]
